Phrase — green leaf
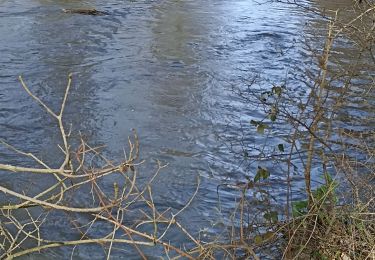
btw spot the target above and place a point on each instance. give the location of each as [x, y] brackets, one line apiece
[329, 178]
[299, 208]
[262, 173]
[261, 127]
[277, 90]
[281, 147]
[326, 193]
[253, 122]
[268, 235]
[273, 113]
[258, 239]
[257, 177]
[271, 216]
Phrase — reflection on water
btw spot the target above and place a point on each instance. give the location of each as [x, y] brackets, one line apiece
[165, 68]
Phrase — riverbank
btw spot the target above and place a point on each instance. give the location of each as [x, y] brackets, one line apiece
[267, 132]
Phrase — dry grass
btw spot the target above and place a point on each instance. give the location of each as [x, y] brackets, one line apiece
[341, 233]
[337, 220]
[327, 132]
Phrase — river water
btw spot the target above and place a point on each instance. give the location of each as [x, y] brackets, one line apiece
[165, 68]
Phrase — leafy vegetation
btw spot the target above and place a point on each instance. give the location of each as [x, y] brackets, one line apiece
[331, 220]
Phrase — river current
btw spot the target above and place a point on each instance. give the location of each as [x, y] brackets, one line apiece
[165, 68]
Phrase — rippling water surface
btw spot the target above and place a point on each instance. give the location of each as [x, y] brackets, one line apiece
[166, 68]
